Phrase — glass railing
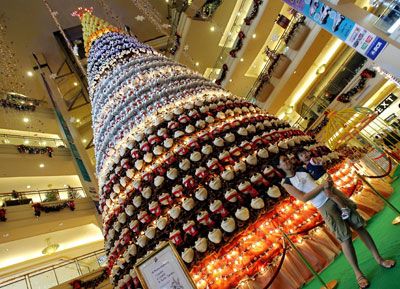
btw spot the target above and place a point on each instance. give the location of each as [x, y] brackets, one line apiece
[277, 50]
[388, 13]
[316, 103]
[39, 196]
[30, 141]
[237, 26]
[59, 273]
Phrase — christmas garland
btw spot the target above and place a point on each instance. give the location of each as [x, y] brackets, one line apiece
[267, 76]
[9, 104]
[3, 215]
[92, 283]
[208, 9]
[14, 97]
[177, 44]
[295, 26]
[23, 149]
[238, 45]
[241, 35]
[253, 13]
[38, 207]
[366, 74]
[223, 74]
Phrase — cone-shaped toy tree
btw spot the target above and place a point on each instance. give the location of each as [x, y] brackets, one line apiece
[181, 159]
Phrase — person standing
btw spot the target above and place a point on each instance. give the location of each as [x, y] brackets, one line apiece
[302, 186]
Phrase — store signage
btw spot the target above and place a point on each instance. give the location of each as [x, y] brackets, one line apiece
[164, 269]
[386, 103]
[363, 41]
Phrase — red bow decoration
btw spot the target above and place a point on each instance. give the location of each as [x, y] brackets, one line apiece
[222, 211]
[145, 147]
[147, 176]
[191, 230]
[178, 193]
[250, 190]
[177, 238]
[76, 284]
[262, 181]
[170, 160]
[184, 119]
[189, 183]
[135, 153]
[216, 165]
[173, 125]
[206, 220]
[154, 139]
[3, 215]
[167, 198]
[155, 211]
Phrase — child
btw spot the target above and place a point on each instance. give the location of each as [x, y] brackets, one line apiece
[316, 169]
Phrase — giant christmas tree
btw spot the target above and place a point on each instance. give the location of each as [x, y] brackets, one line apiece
[181, 159]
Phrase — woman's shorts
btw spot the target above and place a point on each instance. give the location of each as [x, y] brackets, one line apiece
[332, 215]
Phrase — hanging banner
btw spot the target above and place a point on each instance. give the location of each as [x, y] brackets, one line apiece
[363, 41]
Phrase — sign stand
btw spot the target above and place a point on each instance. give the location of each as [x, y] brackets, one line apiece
[164, 268]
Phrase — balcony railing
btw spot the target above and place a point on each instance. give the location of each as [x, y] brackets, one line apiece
[31, 141]
[54, 275]
[22, 198]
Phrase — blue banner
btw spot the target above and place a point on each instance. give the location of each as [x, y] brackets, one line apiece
[340, 26]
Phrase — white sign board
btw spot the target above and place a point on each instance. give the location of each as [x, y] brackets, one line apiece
[164, 269]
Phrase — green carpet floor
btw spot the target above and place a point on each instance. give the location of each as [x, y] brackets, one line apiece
[387, 237]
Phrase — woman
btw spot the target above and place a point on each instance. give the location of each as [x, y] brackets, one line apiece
[302, 186]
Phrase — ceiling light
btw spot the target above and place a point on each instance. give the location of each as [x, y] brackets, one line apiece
[41, 166]
[241, 59]
[44, 143]
[197, 64]
[65, 186]
[212, 28]
[76, 83]
[28, 186]
[25, 119]
[84, 140]
[254, 35]
[6, 141]
[230, 80]
[78, 120]
[23, 102]
[321, 69]
[26, 141]
[167, 1]
[29, 73]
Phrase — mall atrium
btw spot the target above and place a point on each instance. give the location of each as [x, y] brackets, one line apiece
[207, 144]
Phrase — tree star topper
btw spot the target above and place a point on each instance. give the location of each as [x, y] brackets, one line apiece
[81, 11]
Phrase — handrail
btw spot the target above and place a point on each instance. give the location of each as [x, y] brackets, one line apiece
[14, 139]
[39, 194]
[50, 268]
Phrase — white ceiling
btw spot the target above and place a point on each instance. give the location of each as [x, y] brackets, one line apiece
[31, 248]
[30, 29]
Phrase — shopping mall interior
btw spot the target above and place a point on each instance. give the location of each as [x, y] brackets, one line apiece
[160, 143]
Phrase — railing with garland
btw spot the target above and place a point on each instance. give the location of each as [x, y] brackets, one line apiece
[59, 273]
